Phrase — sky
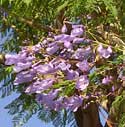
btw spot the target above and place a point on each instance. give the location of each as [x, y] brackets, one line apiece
[6, 119]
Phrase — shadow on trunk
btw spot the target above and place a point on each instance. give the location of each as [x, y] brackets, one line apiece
[88, 117]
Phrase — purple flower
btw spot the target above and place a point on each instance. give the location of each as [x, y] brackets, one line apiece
[71, 74]
[29, 58]
[67, 44]
[107, 80]
[53, 48]
[39, 86]
[82, 82]
[82, 54]
[77, 26]
[78, 40]
[89, 17]
[58, 104]
[10, 59]
[87, 41]
[21, 66]
[63, 66]
[14, 58]
[79, 54]
[106, 53]
[22, 57]
[24, 77]
[36, 48]
[66, 53]
[63, 37]
[64, 29]
[77, 32]
[73, 102]
[56, 61]
[83, 66]
[113, 88]
[45, 69]
[48, 99]
[44, 43]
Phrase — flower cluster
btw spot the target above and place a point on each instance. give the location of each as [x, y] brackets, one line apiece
[58, 58]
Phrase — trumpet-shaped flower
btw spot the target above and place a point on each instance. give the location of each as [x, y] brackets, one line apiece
[103, 52]
[82, 82]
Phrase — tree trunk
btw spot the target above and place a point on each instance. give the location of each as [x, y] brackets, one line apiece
[88, 117]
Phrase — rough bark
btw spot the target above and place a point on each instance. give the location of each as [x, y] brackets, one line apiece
[88, 117]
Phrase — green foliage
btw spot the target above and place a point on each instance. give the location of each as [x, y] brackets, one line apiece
[59, 119]
[10, 46]
[117, 109]
[63, 119]
[27, 2]
[67, 87]
[116, 105]
[122, 120]
[28, 16]
[6, 80]
[61, 7]
[22, 109]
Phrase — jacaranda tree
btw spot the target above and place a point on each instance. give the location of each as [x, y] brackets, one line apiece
[66, 59]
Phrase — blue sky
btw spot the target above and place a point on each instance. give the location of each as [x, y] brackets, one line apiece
[6, 119]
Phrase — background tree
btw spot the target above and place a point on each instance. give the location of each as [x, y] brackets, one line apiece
[30, 21]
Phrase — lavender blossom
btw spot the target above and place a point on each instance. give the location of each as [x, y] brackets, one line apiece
[66, 53]
[64, 29]
[82, 82]
[58, 104]
[71, 74]
[21, 66]
[63, 37]
[106, 53]
[79, 54]
[64, 66]
[36, 48]
[73, 102]
[77, 32]
[53, 48]
[82, 54]
[83, 66]
[58, 60]
[77, 26]
[22, 57]
[78, 40]
[39, 86]
[24, 76]
[48, 99]
[45, 69]
[68, 44]
[107, 80]
[11, 59]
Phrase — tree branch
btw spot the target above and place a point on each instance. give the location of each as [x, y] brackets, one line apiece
[28, 22]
